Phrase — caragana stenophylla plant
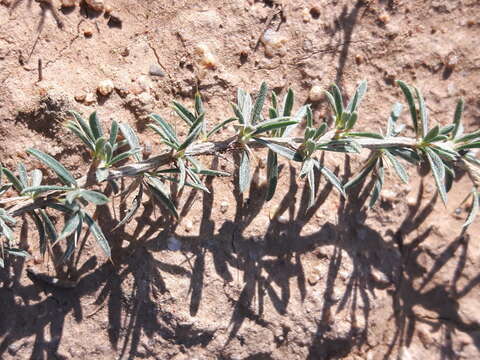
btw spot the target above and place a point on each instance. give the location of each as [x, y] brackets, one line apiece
[118, 155]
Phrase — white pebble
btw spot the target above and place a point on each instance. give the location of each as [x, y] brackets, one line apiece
[145, 98]
[389, 195]
[96, 5]
[207, 59]
[174, 244]
[316, 93]
[105, 87]
[89, 98]
[188, 226]
[223, 206]
[274, 43]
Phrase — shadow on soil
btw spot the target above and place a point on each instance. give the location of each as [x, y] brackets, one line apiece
[33, 316]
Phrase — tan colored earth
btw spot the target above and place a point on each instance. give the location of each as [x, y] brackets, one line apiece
[339, 281]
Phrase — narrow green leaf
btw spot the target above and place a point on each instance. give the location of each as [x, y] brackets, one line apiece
[281, 150]
[397, 166]
[438, 171]
[272, 125]
[36, 178]
[162, 197]
[244, 172]
[445, 130]
[431, 134]
[238, 114]
[309, 117]
[352, 120]
[123, 156]
[64, 175]
[95, 126]
[113, 133]
[337, 95]
[219, 126]
[272, 174]
[190, 138]
[184, 113]
[407, 154]
[49, 227]
[472, 214]
[87, 141]
[83, 125]
[6, 231]
[322, 129]
[357, 98]
[244, 101]
[99, 144]
[98, 234]
[22, 174]
[198, 104]
[472, 145]
[183, 173]
[468, 137]
[44, 188]
[131, 138]
[41, 232]
[288, 101]
[311, 187]
[333, 179]
[307, 166]
[70, 226]
[331, 100]
[257, 108]
[209, 172]
[457, 118]
[94, 197]
[13, 179]
[423, 112]
[411, 104]
[361, 175]
[377, 186]
[392, 120]
[366, 134]
[166, 128]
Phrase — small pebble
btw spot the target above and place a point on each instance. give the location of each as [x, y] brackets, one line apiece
[207, 59]
[451, 61]
[316, 93]
[96, 5]
[108, 9]
[384, 18]
[68, 3]
[411, 201]
[358, 59]
[306, 15]
[274, 43]
[389, 195]
[188, 226]
[88, 32]
[105, 87]
[89, 98]
[80, 97]
[174, 244]
[145, 98]
[224, 206]
[156, 70]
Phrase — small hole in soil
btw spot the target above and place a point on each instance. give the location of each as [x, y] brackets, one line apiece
[243, 57]
[314, 13]
[269, 3]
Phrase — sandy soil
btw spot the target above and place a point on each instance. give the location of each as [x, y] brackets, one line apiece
[336, 282]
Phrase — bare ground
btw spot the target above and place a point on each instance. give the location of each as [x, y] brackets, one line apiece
[335, 282]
